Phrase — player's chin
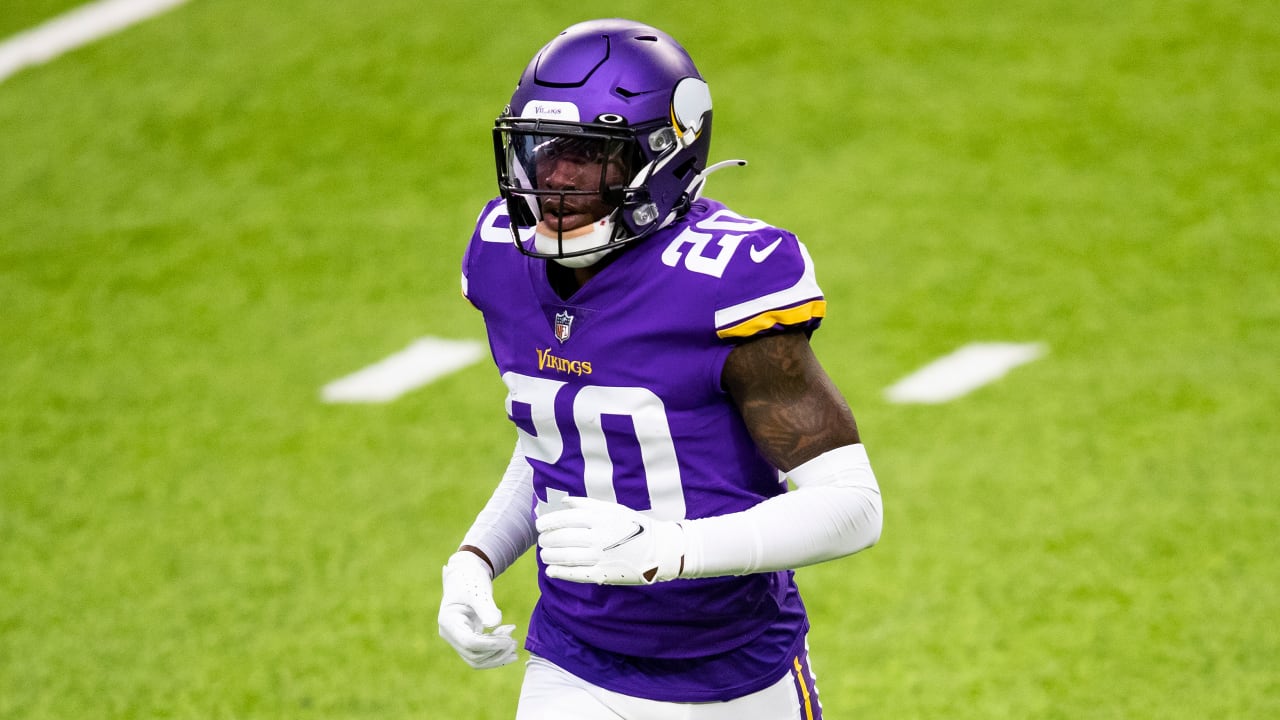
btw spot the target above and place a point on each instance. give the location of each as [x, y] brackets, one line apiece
[567, 222]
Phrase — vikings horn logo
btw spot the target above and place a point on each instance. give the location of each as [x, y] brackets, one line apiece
[564, 322]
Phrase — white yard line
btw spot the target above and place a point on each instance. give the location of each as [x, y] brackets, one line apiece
[962, 372]
[73, 29]
[423, 361]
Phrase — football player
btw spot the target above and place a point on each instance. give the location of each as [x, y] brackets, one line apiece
[655, 349]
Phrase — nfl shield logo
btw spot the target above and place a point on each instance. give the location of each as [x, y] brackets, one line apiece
[564, 321]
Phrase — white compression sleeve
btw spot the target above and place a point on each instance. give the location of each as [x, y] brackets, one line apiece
[504, 528]
[834, 511]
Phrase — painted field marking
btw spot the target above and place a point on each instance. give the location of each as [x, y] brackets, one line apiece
[425, 360]
[73, 29]
[962, 372]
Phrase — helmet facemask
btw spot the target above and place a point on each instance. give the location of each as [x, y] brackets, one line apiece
[569, 187]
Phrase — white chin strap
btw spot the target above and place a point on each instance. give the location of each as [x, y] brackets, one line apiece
[596, 235]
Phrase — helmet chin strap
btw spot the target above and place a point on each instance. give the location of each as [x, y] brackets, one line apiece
[597, 234]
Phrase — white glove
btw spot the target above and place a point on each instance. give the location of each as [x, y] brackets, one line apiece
[592, 541]
[467, 608]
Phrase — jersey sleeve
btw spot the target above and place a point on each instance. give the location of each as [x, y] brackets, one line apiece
[486, 230]
[769, 286]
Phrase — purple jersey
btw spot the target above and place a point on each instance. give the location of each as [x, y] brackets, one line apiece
[615, 394]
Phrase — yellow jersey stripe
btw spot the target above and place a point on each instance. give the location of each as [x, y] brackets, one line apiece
[764, 321]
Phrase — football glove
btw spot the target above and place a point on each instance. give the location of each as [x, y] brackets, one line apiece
[592, 541]
[467, 609]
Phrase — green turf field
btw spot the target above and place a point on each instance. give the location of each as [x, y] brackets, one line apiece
[19, 15]
[206, 218]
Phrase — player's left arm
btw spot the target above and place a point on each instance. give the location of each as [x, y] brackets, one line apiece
[803, 426]
[791, 407]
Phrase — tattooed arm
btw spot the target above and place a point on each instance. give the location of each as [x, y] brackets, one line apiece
[793, 410]
[803, 426]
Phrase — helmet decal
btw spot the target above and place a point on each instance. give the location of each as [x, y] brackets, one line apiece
[690, 106]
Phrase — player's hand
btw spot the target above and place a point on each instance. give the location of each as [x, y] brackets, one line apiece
[467, 610]
[592, 541]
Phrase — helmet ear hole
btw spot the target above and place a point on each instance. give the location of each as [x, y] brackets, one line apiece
[683, 170]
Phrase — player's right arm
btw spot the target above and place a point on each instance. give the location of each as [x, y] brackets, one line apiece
[469, 619]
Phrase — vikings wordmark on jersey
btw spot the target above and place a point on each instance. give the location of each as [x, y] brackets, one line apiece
[549, 361]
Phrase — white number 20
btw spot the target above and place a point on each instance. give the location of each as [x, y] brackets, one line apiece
[725, 227]
[589, 405]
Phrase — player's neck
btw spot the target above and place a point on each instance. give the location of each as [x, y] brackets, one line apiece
[567, 281]
[582, 275]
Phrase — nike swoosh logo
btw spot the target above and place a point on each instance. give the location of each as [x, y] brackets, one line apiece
[638, 532]
[759, 255]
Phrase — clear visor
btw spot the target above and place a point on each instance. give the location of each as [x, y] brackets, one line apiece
[568, 177]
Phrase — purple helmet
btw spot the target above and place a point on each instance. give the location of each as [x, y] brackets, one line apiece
[604, 142]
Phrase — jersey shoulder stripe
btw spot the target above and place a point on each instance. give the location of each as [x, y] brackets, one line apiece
[797, 304]
[786, 317]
